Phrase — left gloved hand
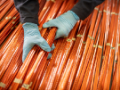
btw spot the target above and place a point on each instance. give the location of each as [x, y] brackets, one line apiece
[64, 23]
[32, 36]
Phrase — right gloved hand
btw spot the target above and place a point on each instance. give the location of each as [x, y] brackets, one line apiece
[64, 23]
[31, 37]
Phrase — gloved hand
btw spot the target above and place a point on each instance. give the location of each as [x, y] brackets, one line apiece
[64, 23]
[31, 37]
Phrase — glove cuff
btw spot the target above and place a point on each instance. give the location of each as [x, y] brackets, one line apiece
[29, 23]
[75, 15]
[30, 28]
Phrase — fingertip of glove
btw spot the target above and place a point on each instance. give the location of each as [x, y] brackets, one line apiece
[53, 47]
[49, 56]
[56, 37]
[23, 58]
[45, 25]
[48, 49]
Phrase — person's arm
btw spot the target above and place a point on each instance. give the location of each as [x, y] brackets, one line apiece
[66, 21]
[28, 10]
[84, 7]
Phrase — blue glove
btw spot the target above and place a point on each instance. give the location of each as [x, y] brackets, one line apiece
[31, 37]
[64, 23]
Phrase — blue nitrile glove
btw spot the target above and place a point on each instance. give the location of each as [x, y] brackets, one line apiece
[31, 37]
[64, 23]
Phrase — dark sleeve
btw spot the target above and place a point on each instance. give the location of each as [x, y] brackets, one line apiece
[84, 7]
[28, 10]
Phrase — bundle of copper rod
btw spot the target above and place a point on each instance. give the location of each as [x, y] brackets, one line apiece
[88, 59]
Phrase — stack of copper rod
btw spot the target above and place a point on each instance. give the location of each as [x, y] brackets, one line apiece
[88, 59]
